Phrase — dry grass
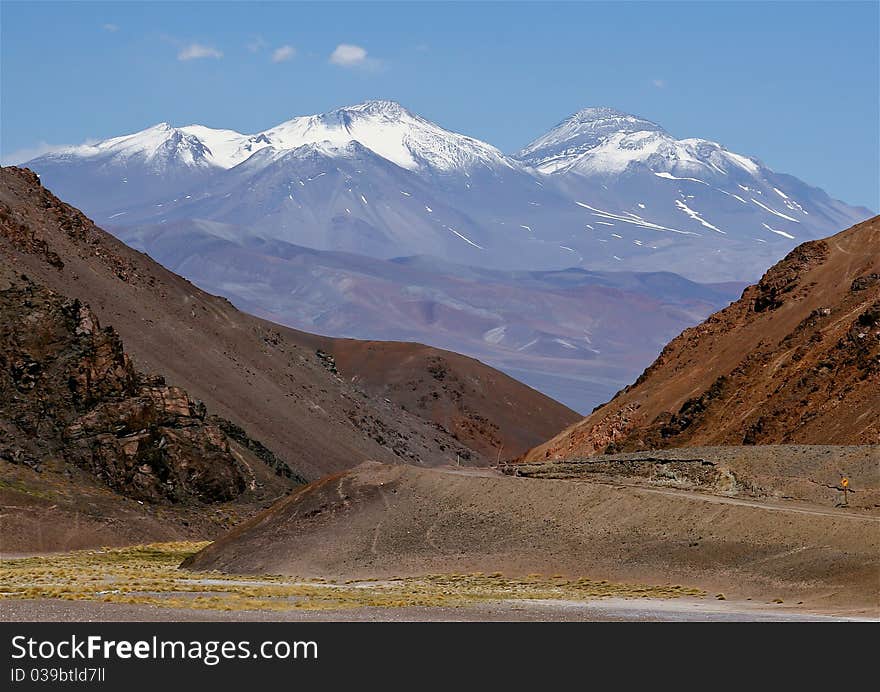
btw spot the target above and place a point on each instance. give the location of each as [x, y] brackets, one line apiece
[19, 486]
[148, 574]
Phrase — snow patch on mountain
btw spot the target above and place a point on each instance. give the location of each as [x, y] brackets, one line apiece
[392, 132]
[695, 215]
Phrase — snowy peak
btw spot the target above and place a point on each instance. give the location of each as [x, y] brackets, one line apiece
[389, 112]
[606, 142]
[158, 148]
[602, 119]
[585, 130]
[377, 107]
[392, 132]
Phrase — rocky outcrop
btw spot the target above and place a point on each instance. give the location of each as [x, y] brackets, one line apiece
[69, 392]
[785, 276]
[18, 228]
[261, 451]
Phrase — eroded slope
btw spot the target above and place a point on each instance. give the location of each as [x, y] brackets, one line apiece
[795, 360]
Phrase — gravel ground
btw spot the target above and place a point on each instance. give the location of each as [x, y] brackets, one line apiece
[607, 610]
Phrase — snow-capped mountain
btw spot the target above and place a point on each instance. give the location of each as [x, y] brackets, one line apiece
[159, 147]
[602, 190]
[389, 130]
[638, 176]
[384, 127]
[578, 135]
[604, 142]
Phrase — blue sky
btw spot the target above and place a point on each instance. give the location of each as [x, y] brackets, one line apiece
[795, 84]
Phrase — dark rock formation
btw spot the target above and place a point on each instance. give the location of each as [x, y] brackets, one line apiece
[69, 392]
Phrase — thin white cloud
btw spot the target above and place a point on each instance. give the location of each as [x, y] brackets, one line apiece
[14, 158]
[256, 44]
[283, 54]
[348, 55]
[659, 83]
[19, 156]
[112, 28]
[197, 51]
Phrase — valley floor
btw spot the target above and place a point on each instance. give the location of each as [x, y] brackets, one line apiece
[723, 534]
[605, 610]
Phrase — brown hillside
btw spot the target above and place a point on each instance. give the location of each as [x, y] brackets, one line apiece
[265, 378]
[483, 408]
[795, 360]
[378, 521]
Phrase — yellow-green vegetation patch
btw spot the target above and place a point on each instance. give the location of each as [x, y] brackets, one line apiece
[149, 574]
[25, 489]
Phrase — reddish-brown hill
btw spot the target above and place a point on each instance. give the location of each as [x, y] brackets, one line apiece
[483, 408]
[266, 378]
[795, 360]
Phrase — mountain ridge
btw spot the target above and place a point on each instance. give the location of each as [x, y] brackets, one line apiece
[603, 190]
[227, 148]
[575, 335]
